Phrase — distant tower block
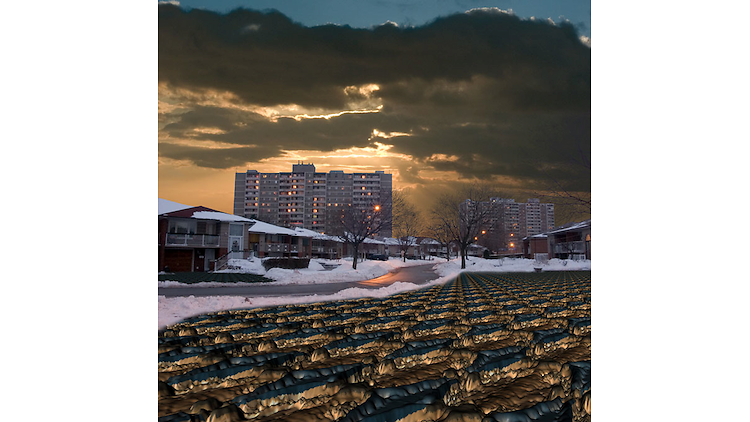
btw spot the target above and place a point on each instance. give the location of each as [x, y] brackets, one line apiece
[304, 198]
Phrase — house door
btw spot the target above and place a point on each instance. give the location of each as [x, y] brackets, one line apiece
[198, 259]
[236, 241]
[210, 256]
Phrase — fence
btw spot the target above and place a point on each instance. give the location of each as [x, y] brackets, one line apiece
[200, 240]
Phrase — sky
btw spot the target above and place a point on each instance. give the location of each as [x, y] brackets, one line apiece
[440, 94]
[367, 13]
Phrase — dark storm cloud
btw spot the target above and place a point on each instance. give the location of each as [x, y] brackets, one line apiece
[218, 158]
[516, 145]
[250, 129]
[504, 95]
[280, 62]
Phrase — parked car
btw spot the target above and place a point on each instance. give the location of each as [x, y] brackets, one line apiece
[377, 257]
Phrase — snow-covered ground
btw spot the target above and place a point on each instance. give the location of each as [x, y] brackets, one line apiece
[313, 274]
[175, 309]
[509, 265]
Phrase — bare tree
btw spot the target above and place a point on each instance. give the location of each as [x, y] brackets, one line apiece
[407, 223]
[355, 223]
[436, 230]
[463, 214]
[562, 186]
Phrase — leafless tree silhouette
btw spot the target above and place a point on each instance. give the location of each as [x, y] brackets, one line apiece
[355, 223]
[407, 222]
[436, 230]
[462, 214]
[571, 202]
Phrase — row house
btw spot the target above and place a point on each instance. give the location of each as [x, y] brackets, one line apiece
[431, 247]
[323, 245]
[535, 247]
[570, 242]
[193, 238]
[268, 240]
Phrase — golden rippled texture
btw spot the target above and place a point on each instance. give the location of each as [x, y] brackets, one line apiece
[482, 347]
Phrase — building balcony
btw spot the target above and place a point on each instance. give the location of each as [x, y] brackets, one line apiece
[194, 240]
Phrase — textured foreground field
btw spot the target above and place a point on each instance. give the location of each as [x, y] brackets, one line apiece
[484, 347]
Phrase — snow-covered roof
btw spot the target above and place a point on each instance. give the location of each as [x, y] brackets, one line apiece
[315, 235]
[428, 241]
[166, 206]
[203, 213]
[307, 233]
[411, 241]
[328, 237]
[221, 216]
[373, 241]
[267, 228]
[574, 226]
[536, 236]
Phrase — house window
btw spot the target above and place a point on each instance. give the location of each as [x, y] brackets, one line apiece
[183, 226]
[235, 230]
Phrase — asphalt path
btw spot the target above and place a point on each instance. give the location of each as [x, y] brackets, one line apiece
[418, 274]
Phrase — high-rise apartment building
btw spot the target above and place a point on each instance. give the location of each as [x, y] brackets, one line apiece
[509, 221]
[306, 198]
[537, 217]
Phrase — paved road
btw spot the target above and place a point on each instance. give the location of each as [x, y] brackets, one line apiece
[419, 274]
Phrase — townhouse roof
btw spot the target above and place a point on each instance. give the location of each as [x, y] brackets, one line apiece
[571, 227]
[566, 228]
[267, 228]
[166, 206]
[174, 209]
[313, 234]
[536, 236]
[221, 216]
[373, 241]
[390, 241]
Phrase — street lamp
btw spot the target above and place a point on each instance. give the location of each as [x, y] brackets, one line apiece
[377, 207]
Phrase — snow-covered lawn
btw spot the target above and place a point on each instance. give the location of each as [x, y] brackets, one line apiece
[175, 309]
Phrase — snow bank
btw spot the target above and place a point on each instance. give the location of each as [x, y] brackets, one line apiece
[509, 265]
[313, 274]
[366, 270]
[247, 266]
